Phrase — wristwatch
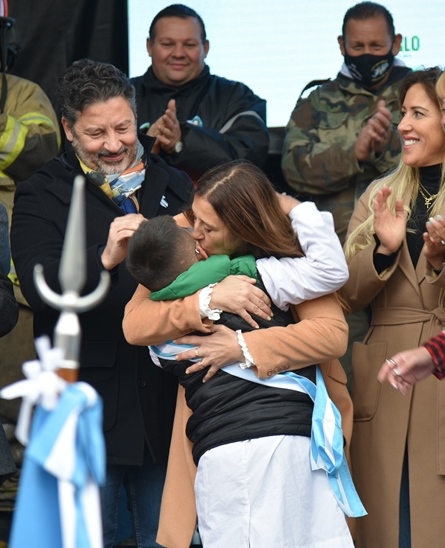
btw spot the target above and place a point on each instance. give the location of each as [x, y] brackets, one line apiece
[179, 145]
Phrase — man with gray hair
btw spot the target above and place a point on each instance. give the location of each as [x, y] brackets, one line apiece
[125, 184]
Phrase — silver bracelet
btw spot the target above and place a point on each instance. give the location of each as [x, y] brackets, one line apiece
[248, 359]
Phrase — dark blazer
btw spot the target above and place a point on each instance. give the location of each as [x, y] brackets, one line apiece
[138, 397]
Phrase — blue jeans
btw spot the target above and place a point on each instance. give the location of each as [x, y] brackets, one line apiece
[143, 485]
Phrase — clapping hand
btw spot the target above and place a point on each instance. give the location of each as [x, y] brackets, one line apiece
[434, 238]
[389, 227]
[375, 134]
[166, 129]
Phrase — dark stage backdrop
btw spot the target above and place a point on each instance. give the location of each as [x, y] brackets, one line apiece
[54, 33]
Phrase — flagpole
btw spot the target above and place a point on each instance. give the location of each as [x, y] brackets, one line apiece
[72, 277]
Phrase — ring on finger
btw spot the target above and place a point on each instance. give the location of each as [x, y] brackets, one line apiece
[442, 242]
[197, 352]
[391, 362]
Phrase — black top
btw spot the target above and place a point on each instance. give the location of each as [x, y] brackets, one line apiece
[430, 180]
[430, 177]
[227, 409]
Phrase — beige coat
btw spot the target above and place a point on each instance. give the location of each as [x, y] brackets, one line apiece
[319, 336]
[407, 308]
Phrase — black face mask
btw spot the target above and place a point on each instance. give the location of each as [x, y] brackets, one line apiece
[368, 69]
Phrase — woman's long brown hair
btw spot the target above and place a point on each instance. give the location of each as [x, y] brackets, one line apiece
[246, 202]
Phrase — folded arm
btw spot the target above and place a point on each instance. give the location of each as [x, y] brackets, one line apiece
[153, 322]
[320, 335]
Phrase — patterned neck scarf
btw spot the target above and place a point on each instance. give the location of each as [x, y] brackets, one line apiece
[121, 187]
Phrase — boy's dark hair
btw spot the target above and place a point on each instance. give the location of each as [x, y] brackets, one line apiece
[158, 252]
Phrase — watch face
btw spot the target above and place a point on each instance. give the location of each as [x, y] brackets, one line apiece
[178, 147]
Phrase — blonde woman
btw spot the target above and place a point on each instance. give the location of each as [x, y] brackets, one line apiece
[395, 251]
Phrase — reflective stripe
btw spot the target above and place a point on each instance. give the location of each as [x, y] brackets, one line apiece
[12, 142]
[12, 275]
[13, 138]
[230, 122]
[35, 118]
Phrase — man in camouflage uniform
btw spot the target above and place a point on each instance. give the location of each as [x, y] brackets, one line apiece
[344, 135]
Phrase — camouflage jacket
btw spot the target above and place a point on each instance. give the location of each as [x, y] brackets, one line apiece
[318, 157]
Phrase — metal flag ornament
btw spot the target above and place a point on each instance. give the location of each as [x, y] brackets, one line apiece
[58, 503]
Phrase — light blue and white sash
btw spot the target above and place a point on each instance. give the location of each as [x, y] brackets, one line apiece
[58, 502]
[168, 351]
[327, 452]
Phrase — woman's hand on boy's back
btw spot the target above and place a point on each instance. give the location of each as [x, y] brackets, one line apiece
[213, 351]
[238, 295]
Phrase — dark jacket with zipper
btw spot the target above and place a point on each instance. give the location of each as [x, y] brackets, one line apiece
[233, 120]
